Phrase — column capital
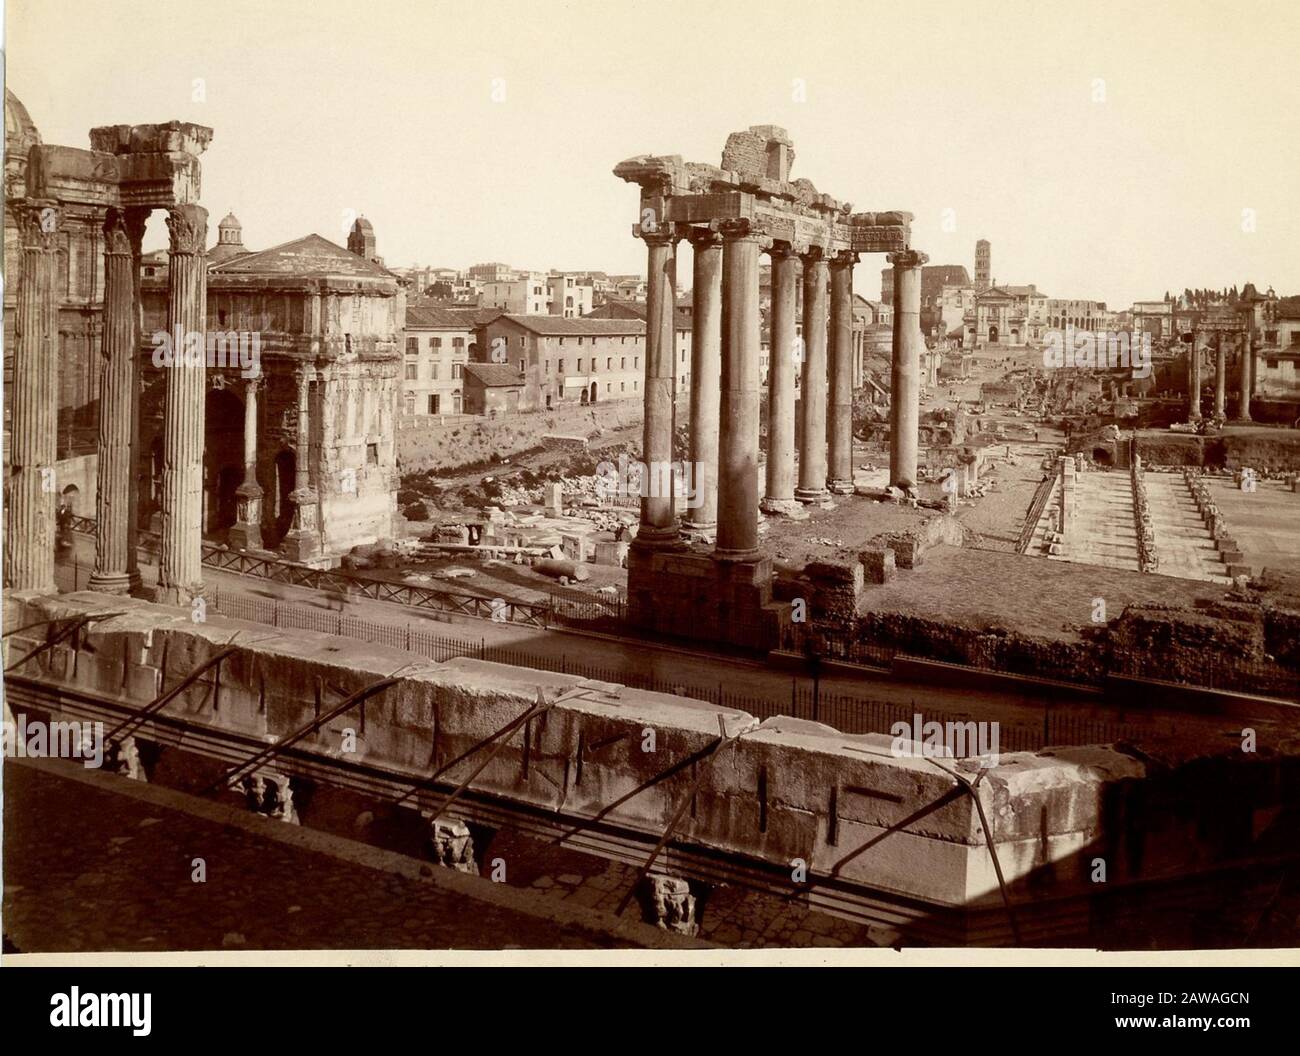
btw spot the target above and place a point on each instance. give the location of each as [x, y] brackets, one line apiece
[743, 229]
[657, 234]
[780, 249]
[845, 258]
[704, 237]
[187, 226]
[39, 220]
[908, 258]
[122, 233]
[812, 254]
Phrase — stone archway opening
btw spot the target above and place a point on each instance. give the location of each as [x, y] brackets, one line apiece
[1102, 456]
[594, 387]
[71, 499]
[223, 460]
[277, 509]
[993, 335]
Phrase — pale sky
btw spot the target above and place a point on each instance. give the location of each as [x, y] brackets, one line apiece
[1106, 153]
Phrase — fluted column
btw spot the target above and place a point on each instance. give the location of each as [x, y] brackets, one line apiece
[812, 396]
[246, 533]
[779, 492]
[840, 427]
[738, 441]
[1247, 377]
[1220, 375]
[180, 566]
[303, 541]
[116, 499]
[1194, 379]
[706, 374]
[31, 487]
[658, 524]
[905, 397]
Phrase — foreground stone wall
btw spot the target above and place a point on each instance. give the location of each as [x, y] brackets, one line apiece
[785, 791]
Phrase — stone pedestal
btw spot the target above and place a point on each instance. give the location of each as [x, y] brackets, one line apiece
[779, 497]
[840, 426]
[116, 503]
[658, 525]
[812, 398]
[246, 533]
[31, 488]
[706, 374]
[453, 846]
[302, 543]
[737, 538]
[180, 567]
[673, 905]
[905, 405]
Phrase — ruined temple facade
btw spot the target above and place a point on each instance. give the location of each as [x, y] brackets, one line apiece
[732, 214]
[300, 457]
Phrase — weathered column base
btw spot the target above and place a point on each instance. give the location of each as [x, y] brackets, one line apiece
[246, 533]
[180, 596]
[453, 846]
[814, 497]
[673, 905]
[692, 533]
[840, 487]
[116, 583]
[790, 508]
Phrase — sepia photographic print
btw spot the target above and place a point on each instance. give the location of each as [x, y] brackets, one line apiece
[651, 483]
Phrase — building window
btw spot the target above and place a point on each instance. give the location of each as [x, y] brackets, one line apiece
[410, 371]
[458, 343]
[412, 346]
[410, 403]
[579, 358]
[622, 386]
[522, 365]
[455, 404]
[636, 362]
[435, 342]
[622, 363]
[434, 401]
[372, 454]
[457, 371]
[609, 362]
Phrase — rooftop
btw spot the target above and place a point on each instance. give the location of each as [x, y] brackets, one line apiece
[494, 375]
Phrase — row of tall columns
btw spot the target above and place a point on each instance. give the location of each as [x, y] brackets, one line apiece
[180, 576]
[905, 402]
[725, 393]
[30, 487]
[116, 502]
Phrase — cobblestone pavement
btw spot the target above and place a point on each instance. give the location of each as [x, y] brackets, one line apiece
[85, 869]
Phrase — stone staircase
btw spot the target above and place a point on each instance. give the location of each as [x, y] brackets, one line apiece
[1184, 543]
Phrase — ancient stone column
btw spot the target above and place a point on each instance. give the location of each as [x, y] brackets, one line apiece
[1194, 379]
[116, 570]
[246, 533]
[1220, 375]
[812, 397]
[779, 497]
[706, 374]
[180, 566]
[1247, 377]
[33, 395]
[658, 526]
[840, 427]
[904, 403]
[738, 440]
[303, 542]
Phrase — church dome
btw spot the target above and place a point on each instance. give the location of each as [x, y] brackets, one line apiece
[20, 136]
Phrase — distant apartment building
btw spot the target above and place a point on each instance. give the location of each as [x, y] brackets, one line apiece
[628, 287]
[490, 272]
[682, 333]
[525, 293]
[438, 343]
[1082, 315]
[566, 361]
[934, 278]
[570, 297]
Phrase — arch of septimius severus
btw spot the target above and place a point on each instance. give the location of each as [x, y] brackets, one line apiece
[730, 215]
[129, 171]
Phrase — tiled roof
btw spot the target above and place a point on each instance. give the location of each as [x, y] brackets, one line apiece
[312, 255]
[441, 318]
[558, 326]
[495, 375]
[635, 310]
